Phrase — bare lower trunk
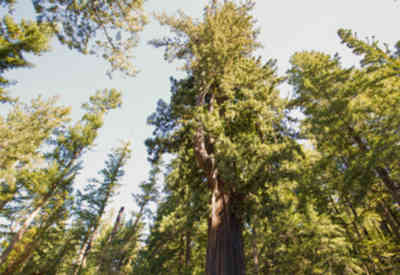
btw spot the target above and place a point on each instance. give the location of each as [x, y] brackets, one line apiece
[225, 248]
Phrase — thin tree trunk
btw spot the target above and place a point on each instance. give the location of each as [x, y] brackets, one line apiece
[225, 248]
[36, 211]
[109, 243]
[129, 237]
[181, 256]
[116, 224]
[80, 257]
[19, 262]
[393, 215]
[84, 252]
[389, 183]
[18, 236]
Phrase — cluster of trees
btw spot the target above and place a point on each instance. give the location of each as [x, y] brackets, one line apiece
[241, 193]
[49, 223]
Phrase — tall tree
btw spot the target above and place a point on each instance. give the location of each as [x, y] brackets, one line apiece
[22, 132]
[227, 118]
[356, 108]
[39, 185]
[92, 204]
[352, 120]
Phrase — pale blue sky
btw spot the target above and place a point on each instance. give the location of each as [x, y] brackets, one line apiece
[286, 26]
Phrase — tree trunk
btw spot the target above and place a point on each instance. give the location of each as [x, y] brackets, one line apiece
[116, 225]
[391, 185]
[22, 258]
[225, 248]
[18, 236]
[81, 254]
[87, 245]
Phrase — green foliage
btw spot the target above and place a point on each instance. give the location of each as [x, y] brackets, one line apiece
[92, 203]
[106, 28]
[241, 114]
[36, 186]
[16, 40]
[23, 131]
[225, 124]
[330, 209]
[351, 118]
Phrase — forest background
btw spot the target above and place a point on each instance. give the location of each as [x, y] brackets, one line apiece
[332, 210]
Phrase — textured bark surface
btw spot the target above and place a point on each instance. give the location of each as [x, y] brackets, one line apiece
[225, 248]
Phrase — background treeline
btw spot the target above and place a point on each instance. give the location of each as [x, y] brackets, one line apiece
[312, 181]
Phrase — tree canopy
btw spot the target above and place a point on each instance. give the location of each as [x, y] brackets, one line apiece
[243, 180]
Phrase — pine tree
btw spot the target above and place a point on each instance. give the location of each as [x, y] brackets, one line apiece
[92, 204]
[40, 185]
[22, 132]
[351, 119]
[227, 119]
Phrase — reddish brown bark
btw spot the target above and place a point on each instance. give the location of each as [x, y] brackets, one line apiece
[225, 248]
[225, 254]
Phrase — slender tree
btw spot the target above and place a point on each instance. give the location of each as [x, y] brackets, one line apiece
[44, 183]
[94, 201]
